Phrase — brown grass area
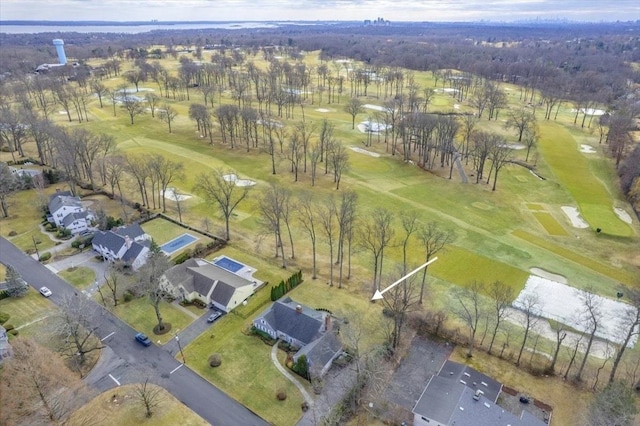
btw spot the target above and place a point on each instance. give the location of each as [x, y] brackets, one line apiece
[569, 402]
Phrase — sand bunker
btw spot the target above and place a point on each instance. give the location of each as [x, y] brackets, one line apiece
[623, 215]
[322, 110]
[372, 127]
[574, 216]
[548, 275]
[364, 151]
[587, 149]
[592, 111]
[170, 194]
[564, 304]
[456, 106]
[374, 107]
[238, 182]
[516, 146]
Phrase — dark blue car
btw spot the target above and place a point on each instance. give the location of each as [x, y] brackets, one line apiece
[142, 338]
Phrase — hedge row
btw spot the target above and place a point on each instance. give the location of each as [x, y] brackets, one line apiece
[284, 287]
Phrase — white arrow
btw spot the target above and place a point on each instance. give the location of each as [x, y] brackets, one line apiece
[378, 294]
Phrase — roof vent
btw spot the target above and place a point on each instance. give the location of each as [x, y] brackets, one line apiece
[485, 384]
[486, 404]
[299, 309]
[463, 382]
[467, 374]
[477, 394]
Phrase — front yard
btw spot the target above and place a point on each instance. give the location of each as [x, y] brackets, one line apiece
[28, 313]
[140, 315]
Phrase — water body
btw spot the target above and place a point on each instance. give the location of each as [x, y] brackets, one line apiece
[130, 29]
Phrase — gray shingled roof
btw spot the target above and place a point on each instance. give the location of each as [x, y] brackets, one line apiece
[71, 217]
[483, 412]
[133, 231]
[439, 399]
[223, 293]
[57, 201]
[133, 252]
[472, 378]
[304, 326]
[110, 240]
[321, 351]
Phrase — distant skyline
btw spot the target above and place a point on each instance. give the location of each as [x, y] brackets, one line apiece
[326, 10]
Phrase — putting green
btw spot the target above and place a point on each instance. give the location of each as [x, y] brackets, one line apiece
[573, 172]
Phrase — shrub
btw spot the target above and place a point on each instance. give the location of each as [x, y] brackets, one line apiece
[13, 332]
[215, 360]
[127, 296]
[305, 406]
[8, 326]
[281, 394]
[12, 233]
[301, 366]
[4, 294]
[4, 317]
[182, 257]
[45, 256]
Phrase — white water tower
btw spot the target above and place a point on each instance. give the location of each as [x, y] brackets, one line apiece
[59, 44]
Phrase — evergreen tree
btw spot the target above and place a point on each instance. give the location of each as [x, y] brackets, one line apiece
[16, 287]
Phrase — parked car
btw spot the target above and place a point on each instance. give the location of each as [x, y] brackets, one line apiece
[214, 316]
[142, 338]
[45, 291]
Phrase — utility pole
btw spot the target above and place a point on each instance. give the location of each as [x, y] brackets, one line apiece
[184, 361]
[35, 245]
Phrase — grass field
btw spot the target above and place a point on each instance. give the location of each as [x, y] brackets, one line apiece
[140, 315]
[550, 224]
[596, 204]
[119, 407]
[28, 311]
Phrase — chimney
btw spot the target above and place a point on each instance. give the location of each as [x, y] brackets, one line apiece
[298, 309]
[127, 241]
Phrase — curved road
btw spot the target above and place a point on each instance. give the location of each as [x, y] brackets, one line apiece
[126, 361]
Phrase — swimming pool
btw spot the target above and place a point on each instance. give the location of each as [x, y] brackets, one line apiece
[178, 243]
[228, 264]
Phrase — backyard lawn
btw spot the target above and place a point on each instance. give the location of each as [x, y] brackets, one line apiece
[80, 277]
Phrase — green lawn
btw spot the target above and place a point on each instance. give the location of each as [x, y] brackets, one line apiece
[27, 312]
[550, 224]
[596, 204]
[79, 277]
[139, 314]
[247, 373]
[614, 273]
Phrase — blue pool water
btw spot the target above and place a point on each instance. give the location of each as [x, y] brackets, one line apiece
[229, 264]
[178, 243]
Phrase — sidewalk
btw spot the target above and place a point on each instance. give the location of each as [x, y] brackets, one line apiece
[285, 373]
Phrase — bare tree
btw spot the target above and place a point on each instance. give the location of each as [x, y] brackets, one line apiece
[530, 307]
[339, 161]
[592, 316]
[399, 301]
[469, 308]
[345, 216]
[132, 105]
[500, 154]
[614, 405]
[272, 204]
[36, 387]
[168, 114]
[152, 100]
[219, 187]
[353, 108]
[531, 137]
[149, 276]
[308, 216]
[149, 396]
[631, 324]
[521, 120]
[167, 171]
[377, 233]
[561, 334]
[434, 239]
[327, 217]
[113, 279]
[76, 323]
[502, 296]
[9, 184]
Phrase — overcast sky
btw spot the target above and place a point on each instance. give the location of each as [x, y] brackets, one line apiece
[259, 10]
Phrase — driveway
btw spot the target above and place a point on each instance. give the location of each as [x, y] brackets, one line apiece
[126, 361]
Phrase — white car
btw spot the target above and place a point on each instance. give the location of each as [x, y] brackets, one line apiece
[45, 291]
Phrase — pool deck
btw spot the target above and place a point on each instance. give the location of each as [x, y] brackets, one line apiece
[245, 272]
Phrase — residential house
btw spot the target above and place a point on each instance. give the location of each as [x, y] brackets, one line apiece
[5, 346]
[462, 396]
[66, 211]
[129, 244]
[304, 328]
[198, 279]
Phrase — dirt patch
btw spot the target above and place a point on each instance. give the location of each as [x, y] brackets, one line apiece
[364, 151]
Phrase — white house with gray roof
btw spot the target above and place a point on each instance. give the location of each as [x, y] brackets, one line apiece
[209, 283]
[67, 212]
[302, 327]
[129, 244]
[462, 396]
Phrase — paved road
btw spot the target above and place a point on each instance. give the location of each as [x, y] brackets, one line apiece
[126, 361]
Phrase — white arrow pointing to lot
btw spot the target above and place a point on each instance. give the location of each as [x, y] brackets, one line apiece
[378, 294]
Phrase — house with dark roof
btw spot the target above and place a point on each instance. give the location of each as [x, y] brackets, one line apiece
[67, 212]
[460, 395]
[304, 328]
[129, 244]
[198, 279]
